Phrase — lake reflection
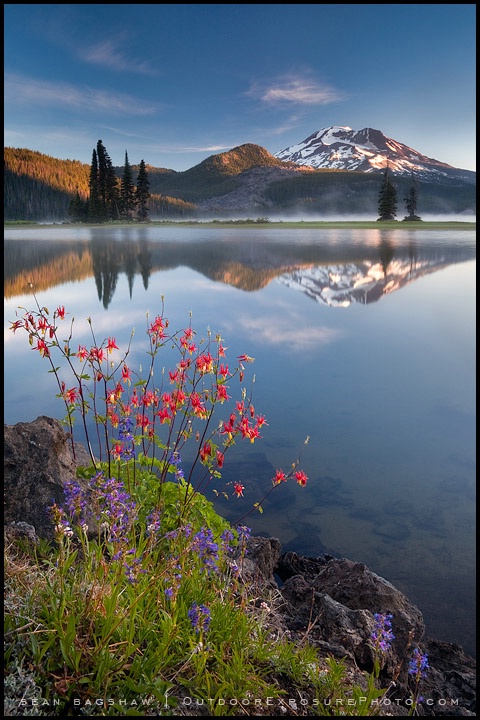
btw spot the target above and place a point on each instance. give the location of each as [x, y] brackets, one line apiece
[363, 339]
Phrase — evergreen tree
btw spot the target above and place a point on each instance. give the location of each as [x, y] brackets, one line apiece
[142, 193]
[107, 184]
[77, 210]
[127, 191]
[94, 205]
[387, 199]
[411, 201]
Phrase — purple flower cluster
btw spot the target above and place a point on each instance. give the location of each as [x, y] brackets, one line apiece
[227, 538]
[75, 502]
[153, 523]
[243, 536]
[382, 634]
[125, 434]
[199, 616]
[207, 550]
[176, 460]
[418, 665]
[115, 507]
[172, 590]
[132, 566]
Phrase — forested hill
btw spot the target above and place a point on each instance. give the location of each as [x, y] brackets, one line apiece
[245, 181]
[38, 186]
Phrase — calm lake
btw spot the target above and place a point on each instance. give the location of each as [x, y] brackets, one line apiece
[363, 340]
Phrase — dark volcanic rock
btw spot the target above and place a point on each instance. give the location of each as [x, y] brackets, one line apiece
[37, 460]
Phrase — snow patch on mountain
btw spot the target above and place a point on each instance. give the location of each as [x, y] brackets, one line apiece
[368, 150]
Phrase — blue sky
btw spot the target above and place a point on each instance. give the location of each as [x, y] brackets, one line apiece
[174, 84]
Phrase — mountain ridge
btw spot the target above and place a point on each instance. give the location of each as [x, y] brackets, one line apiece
[367, 150]
[249, 179]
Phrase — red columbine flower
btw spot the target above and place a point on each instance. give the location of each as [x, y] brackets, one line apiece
[97, 354]
[82, 353]
[135, 400]
[205, 453]
[279, 477]
[204, 363]
[126, 374]
[157, 329]
[142, 421]
[71, 395]
[60, 312]
[301, 478]
[238, 489]
[245, 358]
[223, 370]
[164, 415]
[174, 376]
[222, 394]
[117, 450]
[149, 398]
[197, 405]
[228, 428]
[220, 459]
[253, 433]
[42, 349]
[114, 418]
[42, 324]
[111, 345]
[178, 399]
[17, 324]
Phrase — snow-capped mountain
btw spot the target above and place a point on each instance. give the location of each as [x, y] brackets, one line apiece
[368, 150]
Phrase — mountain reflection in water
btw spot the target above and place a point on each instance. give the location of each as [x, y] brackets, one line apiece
[336, 274]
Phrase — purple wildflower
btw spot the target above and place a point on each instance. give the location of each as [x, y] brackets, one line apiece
[418, 665]
[199, 616]
[126, 435]
[153, 523]
[133, 568]
[206, 548]
[114, 506]
[227, 538]
[175, 460]
[382, 634]
[75, 502]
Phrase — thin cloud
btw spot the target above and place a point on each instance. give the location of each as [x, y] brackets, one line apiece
[272, 332]
[28, 91]
[107, 54]
[294, 90]
[290, 124]
[178, 149]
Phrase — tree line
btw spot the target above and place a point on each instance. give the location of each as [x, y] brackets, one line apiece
[109, 197]
[387, 199]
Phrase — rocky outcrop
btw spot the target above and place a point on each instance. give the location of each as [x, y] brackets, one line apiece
[330, 603]
[37, 460]
[326, 601]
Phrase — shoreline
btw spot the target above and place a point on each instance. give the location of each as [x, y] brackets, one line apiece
[277, 224]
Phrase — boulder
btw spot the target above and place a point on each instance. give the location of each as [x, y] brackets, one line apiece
[38, 459]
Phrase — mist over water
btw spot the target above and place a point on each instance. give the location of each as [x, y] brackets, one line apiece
[304, 217]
